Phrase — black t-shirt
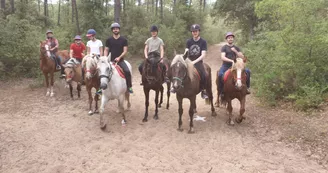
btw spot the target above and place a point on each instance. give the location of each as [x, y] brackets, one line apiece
[116, 46]
[229, 53]
[196, 48]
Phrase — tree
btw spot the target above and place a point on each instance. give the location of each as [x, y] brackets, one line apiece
[12, 4]
[59, 4]
[76, 16]
[117, 11]
[46, 12]
[3, 4]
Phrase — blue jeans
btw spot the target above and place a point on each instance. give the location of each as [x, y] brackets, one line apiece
[223, 69]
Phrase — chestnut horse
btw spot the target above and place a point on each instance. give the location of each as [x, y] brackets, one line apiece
[91, 79]
[73, 72]
[48, 65]
[234, 87]
[153, 78]
[186, 82]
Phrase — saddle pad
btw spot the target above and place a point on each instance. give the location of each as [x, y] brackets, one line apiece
[120, 71]
[197, 73]
[226, 74]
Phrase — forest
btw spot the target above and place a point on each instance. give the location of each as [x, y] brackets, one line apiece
[285, 40]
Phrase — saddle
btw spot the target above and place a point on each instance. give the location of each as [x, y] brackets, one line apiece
[119, 70]
[227, 73]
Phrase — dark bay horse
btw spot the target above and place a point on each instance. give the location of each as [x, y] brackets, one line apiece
[48, 65]
[153, 79]
[73, 71]
[91, 79]
[234, 87]
[186, 82]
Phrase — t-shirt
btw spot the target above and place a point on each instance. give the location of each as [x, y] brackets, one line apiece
[154, 44]
[229, 53]
[196, 48]
[77, 50]
[94, 46]
[53, 42]
[116, 46]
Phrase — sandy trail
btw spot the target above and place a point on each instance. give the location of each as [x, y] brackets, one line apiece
[55, 135]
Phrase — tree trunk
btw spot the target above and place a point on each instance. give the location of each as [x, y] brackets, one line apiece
[147, 3]
[124, 7]
[73, 11]
[59, 4]
[204, 5]
[12, 4]
[200, 5]
[39, 5]
[152, 6]
[139, 2]
[3, 4]
[190, 2]
[162, 13]
[174, 5]
[46, 12]
[117, 11]
[106, 8]
[76, 18]
[156, 8]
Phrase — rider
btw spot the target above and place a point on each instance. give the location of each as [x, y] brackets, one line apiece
[117, 45]
[53, 44]
[94, 46]
[229, 53]
[197, 48]
[154, 43]
[77, 51]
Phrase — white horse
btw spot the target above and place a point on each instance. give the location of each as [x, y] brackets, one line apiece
[113, 86]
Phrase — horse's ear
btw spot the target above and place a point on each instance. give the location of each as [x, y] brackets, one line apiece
[185, 55]
[245, 59]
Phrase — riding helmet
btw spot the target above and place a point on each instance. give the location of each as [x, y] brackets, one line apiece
[153, 28]
[91, 32]
[195, 27]
[229, 34]
[115, 25]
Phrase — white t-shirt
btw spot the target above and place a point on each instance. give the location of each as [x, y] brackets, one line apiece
[94, 46]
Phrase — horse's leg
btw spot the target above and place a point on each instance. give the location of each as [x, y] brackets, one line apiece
[96, 102]
[242, 110]
[146, 91]
[47, 83]
[90, 101]
[102, 108]
[71, 90]
[52, 84]
[168, 95]
[179, 98]
[78, 89]
[229, 109]
[217, 103]
[161, 100]
[156, 104]
[210, 95]
[121, 108]
[127, 98]
[191, 113]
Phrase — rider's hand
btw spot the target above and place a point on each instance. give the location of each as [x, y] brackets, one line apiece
[233, 49]
[117, 59]
[161, 60]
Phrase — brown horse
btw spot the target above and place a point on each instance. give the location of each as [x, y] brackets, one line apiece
[47, 65]
[91, 80]
[153, 78]
[73, 72]
[186, 82]
[234, 87]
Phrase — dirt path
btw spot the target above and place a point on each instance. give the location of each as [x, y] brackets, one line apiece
[39, 134]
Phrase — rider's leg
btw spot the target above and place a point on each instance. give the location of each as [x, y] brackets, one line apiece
[248, 79]
[202, 73]
[222, 70]
[127, 74]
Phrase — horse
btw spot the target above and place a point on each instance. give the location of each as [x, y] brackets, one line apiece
[153, 79]
[47, 65]
[91, 80]
[113, 85]
[234, 87]
[73, 72]
[186, 82]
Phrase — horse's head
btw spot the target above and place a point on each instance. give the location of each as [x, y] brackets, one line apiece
[152, 68]
[69, 72]
[105, 71]
[89, 64]
[238, 72]
[179, 71]
[44, 49]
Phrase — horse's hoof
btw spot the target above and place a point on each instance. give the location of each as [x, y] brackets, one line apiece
[103, 126]
[123, 122]
[214, 114]
[239, 120]
[167, 107]
[118, 111]
[144, 120]
[191, 132]
[230, 123]
[52, 94]
[155, 117]
[48, 94]
[159, 106]
[180, 130]
[90, 113]
[96, 112]
[217, 104]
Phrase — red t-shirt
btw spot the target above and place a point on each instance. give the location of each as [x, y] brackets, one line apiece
[77, 50]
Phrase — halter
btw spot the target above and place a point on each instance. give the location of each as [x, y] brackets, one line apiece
[110, 73]
[181, 79]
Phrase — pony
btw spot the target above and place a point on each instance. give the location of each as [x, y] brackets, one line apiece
[113, 86]
[91, 80]
[47, 65]
[186, 82]
[234, 87]
[153, 79]
[73, 72]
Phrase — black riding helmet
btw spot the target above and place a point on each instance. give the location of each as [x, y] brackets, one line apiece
[195, 27]
[153, 28]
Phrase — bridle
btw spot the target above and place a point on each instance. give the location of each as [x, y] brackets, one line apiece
[110, 73]
[181, 79]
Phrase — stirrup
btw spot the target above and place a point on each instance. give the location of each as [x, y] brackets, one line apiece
[204, 95]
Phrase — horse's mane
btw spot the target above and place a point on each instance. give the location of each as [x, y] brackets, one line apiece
[89, 61]
[239, 64]
[186, 62]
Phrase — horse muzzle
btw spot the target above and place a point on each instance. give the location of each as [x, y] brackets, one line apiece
[103, 86]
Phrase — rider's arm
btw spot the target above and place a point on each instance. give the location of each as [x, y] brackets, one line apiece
[224, 58]
[238, 52]
[106, 51]
[162, 51]
[71, 51]
[146, 51]
[202, 56]
[101, 48]
[125, 50]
